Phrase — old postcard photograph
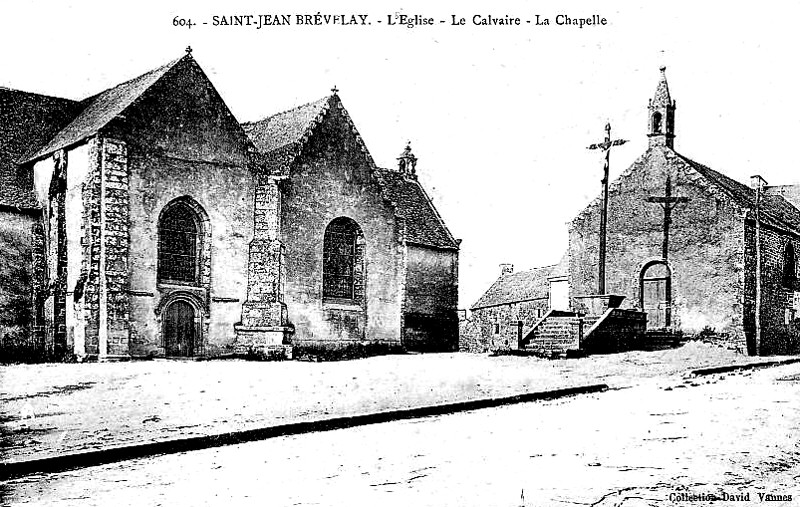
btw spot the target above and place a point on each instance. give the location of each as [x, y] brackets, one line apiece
[349, 253]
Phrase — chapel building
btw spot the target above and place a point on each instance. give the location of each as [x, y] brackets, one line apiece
[689, 249]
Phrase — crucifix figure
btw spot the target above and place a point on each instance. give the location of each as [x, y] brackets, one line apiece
[668, 203]
[606, 146]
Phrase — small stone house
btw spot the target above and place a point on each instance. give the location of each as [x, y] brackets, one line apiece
[513, 304]
[150, 222]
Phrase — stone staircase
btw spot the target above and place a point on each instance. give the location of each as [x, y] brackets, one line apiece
[661, 339]
[561, 333]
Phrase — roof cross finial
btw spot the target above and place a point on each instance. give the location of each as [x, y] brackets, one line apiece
[335, 90]
[188, 50]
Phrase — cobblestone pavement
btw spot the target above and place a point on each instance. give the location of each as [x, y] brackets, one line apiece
[734, 434]
[48, 410]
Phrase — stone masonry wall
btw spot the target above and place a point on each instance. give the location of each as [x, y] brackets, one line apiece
[17, 281]
[332, 178]
[780, 304]
[499, 325]
[183, 143]
[705, 251]
[115, 224]
[431, 322]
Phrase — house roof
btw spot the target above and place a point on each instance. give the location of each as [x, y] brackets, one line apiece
[424, 225]
[773, 207]
[100, 109]
[517, 287]
[26, 119]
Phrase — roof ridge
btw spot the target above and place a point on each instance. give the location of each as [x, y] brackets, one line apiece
[99, 109]
[167, 65]
[17, 90]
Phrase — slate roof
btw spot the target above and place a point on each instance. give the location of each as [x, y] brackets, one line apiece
[101, 109]
[26, 119]
[281, 136]
[37, 126]
[773, 207]
[424, 226]
[517, 287]
[287, 128]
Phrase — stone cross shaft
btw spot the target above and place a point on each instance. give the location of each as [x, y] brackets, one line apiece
[606, 146]
[668, 203]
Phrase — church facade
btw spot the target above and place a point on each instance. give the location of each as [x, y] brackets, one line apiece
[167, 228]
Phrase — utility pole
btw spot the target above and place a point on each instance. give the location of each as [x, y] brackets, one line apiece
[759, 183]
[606, 146]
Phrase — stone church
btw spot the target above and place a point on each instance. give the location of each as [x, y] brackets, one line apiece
[147, 221]
[688, 248]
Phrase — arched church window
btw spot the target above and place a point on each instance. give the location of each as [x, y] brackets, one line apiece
[789, 268]
[178, 245]
[656, 123]
[342, 263]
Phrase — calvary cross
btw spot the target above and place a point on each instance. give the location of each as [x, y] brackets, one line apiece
[605, 145]
[667, 202]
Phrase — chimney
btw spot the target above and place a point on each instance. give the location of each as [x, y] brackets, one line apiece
[506, 269]
[757, 182]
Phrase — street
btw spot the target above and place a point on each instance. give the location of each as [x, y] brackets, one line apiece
[723, 435]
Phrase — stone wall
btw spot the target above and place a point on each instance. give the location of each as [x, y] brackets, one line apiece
[183, 143]
[430, 320]
[705, 251]
[780, 303]
[17, 284]
[332, 178]
[499, 326]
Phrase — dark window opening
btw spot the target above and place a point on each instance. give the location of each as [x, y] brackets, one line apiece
[656, 123]
[339, 259]
[789, 269]
[178, 238]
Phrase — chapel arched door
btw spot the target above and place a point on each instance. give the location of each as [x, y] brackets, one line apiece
[656, 294]
[179, 329]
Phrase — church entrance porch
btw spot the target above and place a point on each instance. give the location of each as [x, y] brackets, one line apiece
[180, 329]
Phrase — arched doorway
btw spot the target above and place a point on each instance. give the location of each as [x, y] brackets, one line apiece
[655, 289]
[180, 329]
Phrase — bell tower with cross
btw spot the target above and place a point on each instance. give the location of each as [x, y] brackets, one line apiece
[661, 131]
[661, 117]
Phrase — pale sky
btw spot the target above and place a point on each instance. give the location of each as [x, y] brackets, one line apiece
[499, 117]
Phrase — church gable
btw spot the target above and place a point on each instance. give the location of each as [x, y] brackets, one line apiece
[320, 126]
[182, 115]
[323, 126]
[98, 111]
[173, 109]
